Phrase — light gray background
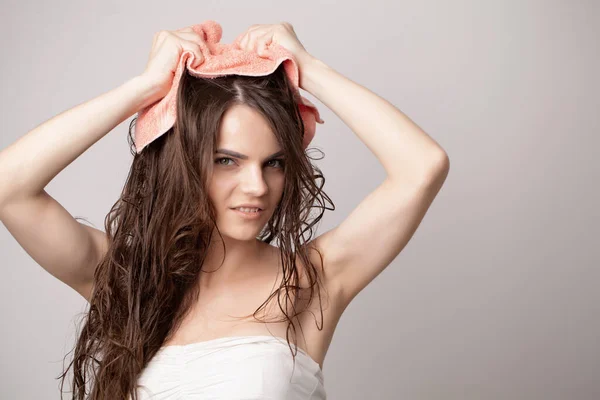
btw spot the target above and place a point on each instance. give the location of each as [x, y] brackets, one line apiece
[495, 297]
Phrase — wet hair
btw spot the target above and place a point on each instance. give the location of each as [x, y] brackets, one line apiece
[163, 222]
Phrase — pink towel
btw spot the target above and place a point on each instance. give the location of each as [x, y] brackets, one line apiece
[220, 60]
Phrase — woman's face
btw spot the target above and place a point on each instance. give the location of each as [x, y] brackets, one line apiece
[247, 169]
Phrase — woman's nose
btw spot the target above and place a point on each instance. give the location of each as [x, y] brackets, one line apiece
[254, 182]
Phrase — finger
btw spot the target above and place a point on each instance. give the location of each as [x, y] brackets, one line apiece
[254, 35]
[263, 42]
[193, 37]
[249, 41]
[243, 39]
[194, 47]
[189, 35]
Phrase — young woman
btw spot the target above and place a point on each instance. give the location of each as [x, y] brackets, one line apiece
[192, 292]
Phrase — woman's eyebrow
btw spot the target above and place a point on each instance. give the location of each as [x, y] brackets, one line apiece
[243, 156]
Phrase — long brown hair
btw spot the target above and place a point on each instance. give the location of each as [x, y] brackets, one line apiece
[161, 225]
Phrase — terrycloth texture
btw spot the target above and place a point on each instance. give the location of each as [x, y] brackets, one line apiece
[220, 60]
[232, 368]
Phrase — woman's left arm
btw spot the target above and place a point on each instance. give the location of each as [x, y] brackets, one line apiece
[375, 232]
[406, 152]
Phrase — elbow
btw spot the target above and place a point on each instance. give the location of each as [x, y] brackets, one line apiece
[431, 171]
[441, 163]
[438, 171]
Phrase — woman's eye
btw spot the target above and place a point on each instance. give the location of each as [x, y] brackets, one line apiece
[218, 161]
[281, 163]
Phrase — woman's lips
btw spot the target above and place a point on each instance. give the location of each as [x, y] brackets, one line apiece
[248, 215]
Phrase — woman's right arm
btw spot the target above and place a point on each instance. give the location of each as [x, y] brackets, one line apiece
[66, 248]
[30, 163]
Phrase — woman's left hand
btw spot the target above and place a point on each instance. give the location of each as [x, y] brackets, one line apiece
[259, 37]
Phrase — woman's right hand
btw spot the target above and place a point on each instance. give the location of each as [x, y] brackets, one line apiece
[167, 48]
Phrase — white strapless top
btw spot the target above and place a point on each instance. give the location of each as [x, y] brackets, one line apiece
[234, 367]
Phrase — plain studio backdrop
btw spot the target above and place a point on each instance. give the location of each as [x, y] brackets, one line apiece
[495, 297]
